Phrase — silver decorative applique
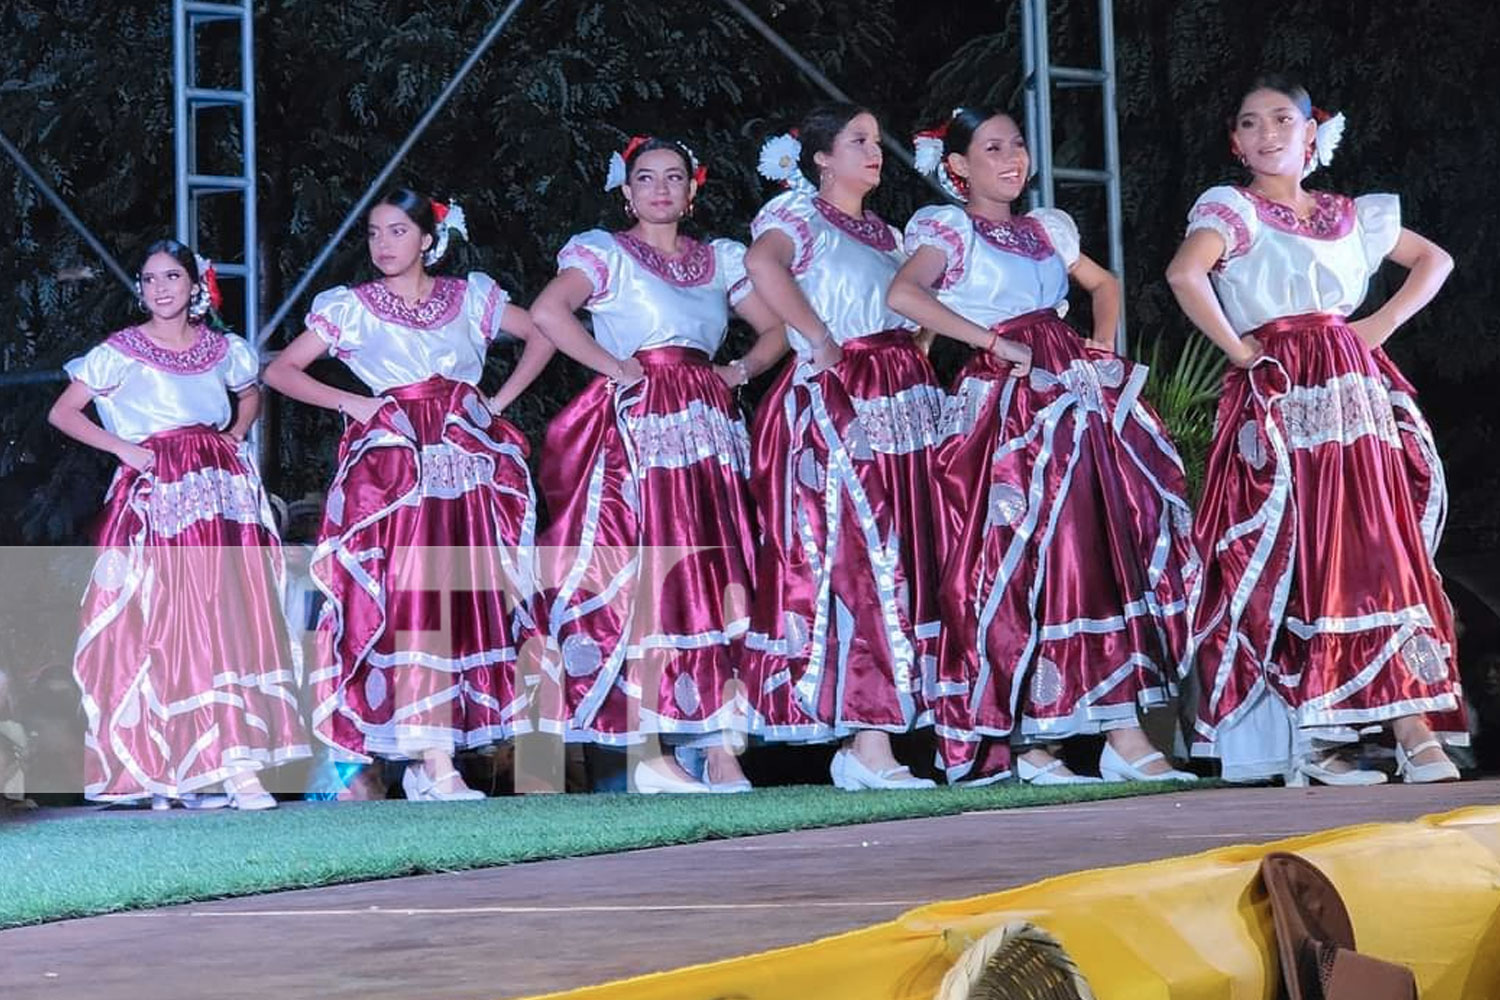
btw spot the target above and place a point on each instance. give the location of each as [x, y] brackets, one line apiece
[477, 411]
[203, 495]
[810, 471]
[1252, 445]
[678, 440]
[902, 423]
[130, 712]
[1079, 380]
[375, 687]
[1007, 504]
[1342, 410]
[110, 569]
[629, 493]
[449, 472]
[797, 631]
[1182, 520]
[1423, 658]
[335, 509]
[685, 693]
[1111, 372]
[581, 656]
[1046, 682]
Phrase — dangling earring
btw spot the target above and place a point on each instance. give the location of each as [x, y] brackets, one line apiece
[140, 298]
[630, 208]
[1312, 150]
[687, 213]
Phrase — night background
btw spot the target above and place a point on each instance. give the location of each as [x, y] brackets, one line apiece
[85, 92]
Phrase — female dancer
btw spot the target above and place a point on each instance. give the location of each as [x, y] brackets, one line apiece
[1322, 612]
[1064, 587]
[845, 622]
[425, 553]
[189, 679]
[645, 478]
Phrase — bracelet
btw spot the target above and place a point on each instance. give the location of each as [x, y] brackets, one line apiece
[738, 364]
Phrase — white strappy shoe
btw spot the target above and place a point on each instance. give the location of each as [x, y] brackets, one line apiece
[853, 775]
[1113, 767]
[254, 799]
[648, 780]
[695, 762]
[1424, 774]
[421, 788]
[1028, 773]
[1318, 770]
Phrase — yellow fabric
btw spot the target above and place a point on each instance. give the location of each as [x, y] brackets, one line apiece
[1425, 894]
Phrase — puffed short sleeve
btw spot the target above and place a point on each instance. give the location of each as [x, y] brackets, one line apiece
[790, 213]
[335, 318]
[596, 255]
[1379, 219]
[241, 367]
[729, 264]
[1229, 213]
[484, 302]
[946, 229]
[1062, 232]
[102, 369]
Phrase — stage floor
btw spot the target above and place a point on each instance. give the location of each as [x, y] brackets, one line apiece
[556, 925]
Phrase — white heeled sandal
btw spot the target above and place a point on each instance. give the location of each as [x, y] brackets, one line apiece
[1113, 767]
[257, 800]
[421, 788]
[695, 763]
[853, 775]
[1028, 773]
[647, 780]
[1317, 770]
[1424, 774]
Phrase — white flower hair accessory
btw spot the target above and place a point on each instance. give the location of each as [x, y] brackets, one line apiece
[779, 156]
[207, 297]
[618, 172]
[930, 162]
[1326, 142]
[447, 219]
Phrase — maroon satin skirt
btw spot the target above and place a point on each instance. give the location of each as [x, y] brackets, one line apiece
[1322, 610]
[185, 664]
[426, 557]
[648, 556]
[1068, 578]
[845, 622]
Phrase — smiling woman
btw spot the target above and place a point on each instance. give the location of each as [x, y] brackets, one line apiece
[178, 696]
[1322, 614]
[652, 458]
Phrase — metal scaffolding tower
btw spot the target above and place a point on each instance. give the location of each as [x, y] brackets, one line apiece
[1040, 77]
[189, 16]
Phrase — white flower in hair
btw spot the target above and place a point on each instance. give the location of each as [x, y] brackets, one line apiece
[616, 176]
[456, 220]
[447, 219]
[929, 153]
[1330, 134]
[778, 158]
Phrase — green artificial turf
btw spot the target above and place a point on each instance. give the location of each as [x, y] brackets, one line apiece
[56, 867]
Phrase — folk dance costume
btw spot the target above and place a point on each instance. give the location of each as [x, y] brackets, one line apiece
[187, 672]
[1322, 611]
[427, 544]
[1066, 579]
[649, 550]
[845, 620]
